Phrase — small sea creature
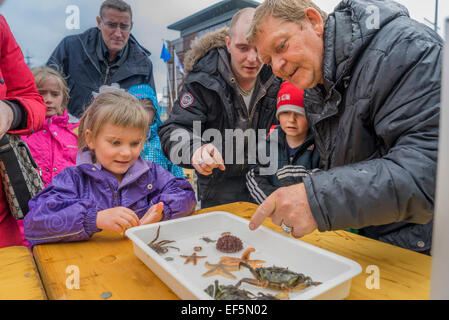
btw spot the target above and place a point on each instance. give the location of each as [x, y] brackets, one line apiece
[219, 269]
[161, 247]
[229, 244]
[234, 262]
[263, 296]
[277, 278]
[197, 248]
[169, 259]
[229, 292]
[208, 239]
[192, 258]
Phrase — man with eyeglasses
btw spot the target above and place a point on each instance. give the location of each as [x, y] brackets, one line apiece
[102, 55]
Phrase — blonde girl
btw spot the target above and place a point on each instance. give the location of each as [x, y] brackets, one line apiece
[53, 88]
[111, 187]
[53, 147]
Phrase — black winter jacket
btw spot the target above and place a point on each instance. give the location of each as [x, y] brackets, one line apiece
[375, 121]
[211, 94]
[76, 58]
[287, 171]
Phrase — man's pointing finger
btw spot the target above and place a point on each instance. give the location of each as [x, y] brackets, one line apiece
[265, 210]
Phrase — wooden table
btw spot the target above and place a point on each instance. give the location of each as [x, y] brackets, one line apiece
[19, 279]
[109, 269]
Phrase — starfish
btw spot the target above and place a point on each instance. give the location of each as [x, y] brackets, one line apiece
[192, 258]
[234, 262]
[218, 268]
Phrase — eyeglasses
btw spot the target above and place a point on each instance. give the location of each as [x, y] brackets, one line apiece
[113, 26]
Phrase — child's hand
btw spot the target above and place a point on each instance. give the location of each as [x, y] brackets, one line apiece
[154, 214]
[117, 219]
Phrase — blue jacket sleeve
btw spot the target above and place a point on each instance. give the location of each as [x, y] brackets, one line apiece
[59, 213]
[176, 193]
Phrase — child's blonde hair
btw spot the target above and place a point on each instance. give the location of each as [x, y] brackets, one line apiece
[43, 73]
[115, 107]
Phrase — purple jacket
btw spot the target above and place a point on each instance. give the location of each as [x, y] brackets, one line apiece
[66, 210]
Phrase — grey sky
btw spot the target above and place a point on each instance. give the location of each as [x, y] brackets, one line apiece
[39, 25]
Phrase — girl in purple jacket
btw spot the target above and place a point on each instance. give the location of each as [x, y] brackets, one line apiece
[111, 187]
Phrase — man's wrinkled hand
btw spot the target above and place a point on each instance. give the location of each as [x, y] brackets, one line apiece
[288, 206]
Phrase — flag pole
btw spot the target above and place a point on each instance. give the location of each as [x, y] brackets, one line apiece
[175, 75]
[179, 70]
[170, 100]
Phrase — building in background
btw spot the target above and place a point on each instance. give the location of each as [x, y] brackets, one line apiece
[214, 17]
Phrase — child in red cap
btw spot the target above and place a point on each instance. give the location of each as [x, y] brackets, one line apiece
[296, 154]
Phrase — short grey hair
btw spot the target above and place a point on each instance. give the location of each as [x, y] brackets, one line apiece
[285, 10]
[119, 5]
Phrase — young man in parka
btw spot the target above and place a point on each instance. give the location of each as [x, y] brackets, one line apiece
[372, 78]
[226, 88]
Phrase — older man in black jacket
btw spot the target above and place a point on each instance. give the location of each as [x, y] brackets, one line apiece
[226, 89]
[101, 56]
[372, 76]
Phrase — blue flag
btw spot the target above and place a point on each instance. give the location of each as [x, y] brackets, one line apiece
[165, 54]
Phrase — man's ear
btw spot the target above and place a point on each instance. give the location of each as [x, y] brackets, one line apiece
[315, 20]
[98, 22]
[228, 43]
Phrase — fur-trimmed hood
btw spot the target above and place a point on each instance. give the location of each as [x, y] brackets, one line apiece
[201, 46]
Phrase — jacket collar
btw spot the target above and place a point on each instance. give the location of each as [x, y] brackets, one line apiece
[347, 33]
[137, 62]
[263, 81]
[58, 120]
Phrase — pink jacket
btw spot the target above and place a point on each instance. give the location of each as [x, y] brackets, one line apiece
[54, 147]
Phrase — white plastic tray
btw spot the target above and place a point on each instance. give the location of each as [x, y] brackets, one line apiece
[334, 271]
